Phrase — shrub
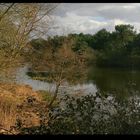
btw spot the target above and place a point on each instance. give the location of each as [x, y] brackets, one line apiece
[92, 115]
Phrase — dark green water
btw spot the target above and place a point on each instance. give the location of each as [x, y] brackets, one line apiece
[120, 81]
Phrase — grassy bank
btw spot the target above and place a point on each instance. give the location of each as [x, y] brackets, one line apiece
[20, 106]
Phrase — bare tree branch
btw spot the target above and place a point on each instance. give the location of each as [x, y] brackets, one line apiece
[6, 11]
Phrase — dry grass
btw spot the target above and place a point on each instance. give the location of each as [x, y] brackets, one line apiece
[7, 111]
[21, 92]
[11, 97]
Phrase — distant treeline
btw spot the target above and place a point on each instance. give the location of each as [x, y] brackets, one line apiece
[120, 48]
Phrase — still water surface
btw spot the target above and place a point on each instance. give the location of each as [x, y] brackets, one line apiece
[23, 78]
[112, 80]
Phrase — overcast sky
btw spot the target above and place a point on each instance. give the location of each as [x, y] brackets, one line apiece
[91, 17]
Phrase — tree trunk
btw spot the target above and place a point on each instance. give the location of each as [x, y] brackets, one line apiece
[55, 95]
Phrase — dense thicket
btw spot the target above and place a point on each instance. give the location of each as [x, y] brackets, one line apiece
[92, 115]
[117, 48]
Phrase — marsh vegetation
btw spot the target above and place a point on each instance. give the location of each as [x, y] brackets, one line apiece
[72, 84]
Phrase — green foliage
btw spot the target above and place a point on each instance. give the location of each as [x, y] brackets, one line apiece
[92, 115]
[101, 39]
[119, 48]
[38, 43]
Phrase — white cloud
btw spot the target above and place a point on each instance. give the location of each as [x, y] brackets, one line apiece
[91, 17]
[118, 22]
[75, 23]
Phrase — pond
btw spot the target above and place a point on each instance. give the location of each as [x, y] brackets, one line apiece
[23, 78]
[120, 81]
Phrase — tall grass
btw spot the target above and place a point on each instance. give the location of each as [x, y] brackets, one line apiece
[7, 112]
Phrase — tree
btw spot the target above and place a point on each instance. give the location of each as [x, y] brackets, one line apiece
[19, 23]
[61, 63]
[100, 39]
[6, 11]
[7, 39]
[125, 33]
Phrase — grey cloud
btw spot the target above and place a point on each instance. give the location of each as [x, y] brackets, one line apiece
[90, 17]
[128, 14]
